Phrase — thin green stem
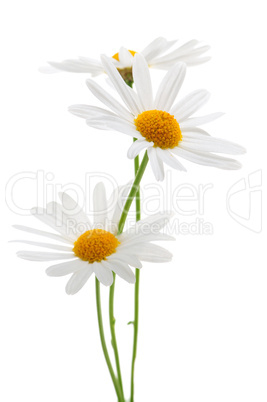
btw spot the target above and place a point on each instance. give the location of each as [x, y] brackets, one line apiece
[118, 382]
[113, 334]
[133, 192]
[103, 343]
[136, 288]
[137, 198]
[135, 324]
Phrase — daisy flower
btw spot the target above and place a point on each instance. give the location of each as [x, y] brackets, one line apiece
[95, 247]
[164, 129]
[156, 55]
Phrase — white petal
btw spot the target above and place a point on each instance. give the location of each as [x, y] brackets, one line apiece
[142, 81]
[76, 211]
[100, 205]
[194, 53]
[66, 268]
[196, 61]
[156, 164]
[108, 100]
[82, 65]
[210, 144]
[43, 233]
[151, 252]
[64, 219]
[194, 132]
[49, 220]
[43, 256]
[197, 121]
[144, 237]
[103, 273]
[114, 123]
[45, 245]
[87, 111]
[208, 159]
[126, 258]
[186, 46]
[160, 219]
[154, 48]
[190, 104]
[78, 280]
[137, 147]
[121, 269]
[152, 224]
[169, 159]
[181, 53]
[170, 87]
[119, 205]
[154, 258]
[126, 93]
[125, 57]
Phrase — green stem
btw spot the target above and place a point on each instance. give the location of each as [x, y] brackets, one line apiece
[103, 342]
[133, 193]
[136, 288]
[113, 334]
[135, 324]
[118, 382]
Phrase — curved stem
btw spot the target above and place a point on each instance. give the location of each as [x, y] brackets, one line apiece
[135, 324]
[133, 192]
[136, 288]
[103, 342]
[118, 382]
[113, 334]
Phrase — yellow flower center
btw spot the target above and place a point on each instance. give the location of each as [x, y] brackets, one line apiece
[95, 245]
[160, 127]
[116, 55]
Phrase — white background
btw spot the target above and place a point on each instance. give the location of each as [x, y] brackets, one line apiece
[203, 317]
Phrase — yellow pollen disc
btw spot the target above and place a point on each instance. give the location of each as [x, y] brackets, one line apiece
[160, 127]
[95, 245]
[116, 55]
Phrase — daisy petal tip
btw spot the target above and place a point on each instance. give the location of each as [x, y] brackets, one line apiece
[108, 283]
[68, 291]
[89, 83]
[103, 56]
[20, 254]
[132, 281]
[182, 66]
[72, 109]
[47, 271]
[129, 155]
[236, 165]
[105, 59]
[241, 150]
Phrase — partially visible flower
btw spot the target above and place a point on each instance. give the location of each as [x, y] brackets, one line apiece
[159, 126]
[156, 55]
[96, 247]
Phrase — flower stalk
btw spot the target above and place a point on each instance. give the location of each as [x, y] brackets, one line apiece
[103, 343]
[112, 322]
[136, 287]
[117, 381]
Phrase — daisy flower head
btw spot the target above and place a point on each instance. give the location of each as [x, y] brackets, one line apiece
[156, 54]
[95, 247]
[164, 128]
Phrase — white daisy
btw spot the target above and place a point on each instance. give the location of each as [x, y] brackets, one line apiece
[156, 55]
[96, 247]
[163, 128]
